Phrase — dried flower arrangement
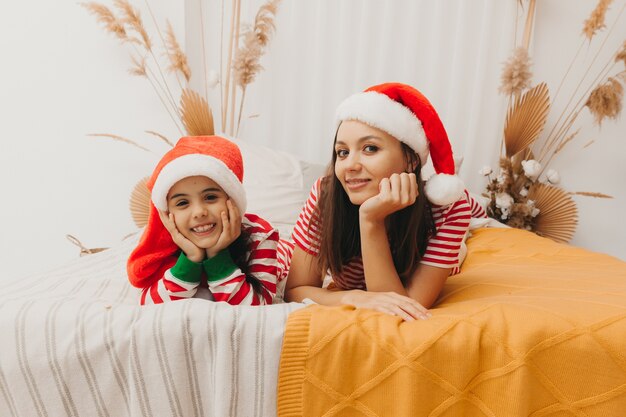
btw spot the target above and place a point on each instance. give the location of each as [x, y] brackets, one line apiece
[191, 113]
[524, 193]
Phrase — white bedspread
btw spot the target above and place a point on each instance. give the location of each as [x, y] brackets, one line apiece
[74, 342]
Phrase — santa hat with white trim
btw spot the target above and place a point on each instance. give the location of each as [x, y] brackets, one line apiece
[408, 116]
[211, 156]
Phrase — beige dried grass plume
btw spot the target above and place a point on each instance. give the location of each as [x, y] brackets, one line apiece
[196, 114]
[111, 23]
[178, 59]
[526, 119]
[139, 203]
[132, 18]
[595, 22]
[516, 76]
[558, 215]
[621, 55]
[246, 64]
[606, 100]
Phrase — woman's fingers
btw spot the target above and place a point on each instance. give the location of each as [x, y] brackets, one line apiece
[413, 184]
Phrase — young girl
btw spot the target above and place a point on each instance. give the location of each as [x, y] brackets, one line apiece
[197, 243]
[388, 240]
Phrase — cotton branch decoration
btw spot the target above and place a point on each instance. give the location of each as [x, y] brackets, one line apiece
[191, 113]
[524, 193]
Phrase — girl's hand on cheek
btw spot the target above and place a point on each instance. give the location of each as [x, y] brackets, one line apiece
[395, 193]
[231, 229]
[193, 253]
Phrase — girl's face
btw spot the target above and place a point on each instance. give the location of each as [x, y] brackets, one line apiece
[197, 203]
[364, 156]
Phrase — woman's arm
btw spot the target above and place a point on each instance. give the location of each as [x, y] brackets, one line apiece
[395, 193]
[304, 281]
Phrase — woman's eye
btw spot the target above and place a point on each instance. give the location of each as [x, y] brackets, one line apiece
[181, 203]
[370, 148]
[210, 197]
[341, 153]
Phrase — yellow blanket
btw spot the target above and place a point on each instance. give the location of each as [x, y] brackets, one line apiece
[528, 328]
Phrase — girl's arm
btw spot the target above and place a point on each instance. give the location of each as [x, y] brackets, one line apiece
[178, 282]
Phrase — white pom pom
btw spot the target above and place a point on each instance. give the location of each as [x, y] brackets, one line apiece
[444, 189]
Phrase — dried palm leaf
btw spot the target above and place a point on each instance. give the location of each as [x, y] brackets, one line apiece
[140, 203]
[526, 119]
[196, 114]
[558, 214]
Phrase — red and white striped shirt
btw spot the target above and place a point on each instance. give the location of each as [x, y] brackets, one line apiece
[227, 283]
[451, 223]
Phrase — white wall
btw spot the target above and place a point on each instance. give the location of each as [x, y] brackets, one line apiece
[61, 78]
[601, 167]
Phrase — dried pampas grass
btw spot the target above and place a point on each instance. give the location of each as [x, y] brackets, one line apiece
[516, 76]
[132, 18]
[558, 215]
[118, 138]
[139, 66]
[595, 22]
[606, 100]
[196, 114]
[621, 55]
[246, 63]
[526, 119]
[105, 16]
[591, 194]
[160, 136]
[178, 59]
[139, 203]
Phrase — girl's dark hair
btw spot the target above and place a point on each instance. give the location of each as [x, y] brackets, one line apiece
[239, 251]
[408, 229]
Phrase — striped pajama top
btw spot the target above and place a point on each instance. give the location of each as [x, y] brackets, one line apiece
[451, 223]
[224, 279]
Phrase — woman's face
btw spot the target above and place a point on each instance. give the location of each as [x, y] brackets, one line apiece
[197, 203]
[364, 156]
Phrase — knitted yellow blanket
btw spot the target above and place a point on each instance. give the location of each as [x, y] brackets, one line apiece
[528, 328]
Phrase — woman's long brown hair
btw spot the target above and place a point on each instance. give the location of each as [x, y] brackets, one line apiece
[408, 229]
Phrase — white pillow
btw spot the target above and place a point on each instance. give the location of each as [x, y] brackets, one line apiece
[277, 184]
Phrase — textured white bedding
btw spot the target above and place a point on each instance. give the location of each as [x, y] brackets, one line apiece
[74, 342]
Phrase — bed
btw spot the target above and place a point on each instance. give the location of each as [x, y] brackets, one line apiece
[528, 328]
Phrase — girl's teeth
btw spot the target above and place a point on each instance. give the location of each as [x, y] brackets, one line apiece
[201, 229]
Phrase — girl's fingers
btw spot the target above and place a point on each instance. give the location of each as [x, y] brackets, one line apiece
[233, 216]
[225, 223]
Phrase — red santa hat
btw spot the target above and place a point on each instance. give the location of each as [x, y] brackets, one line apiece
[211, 156]
[408, 116]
